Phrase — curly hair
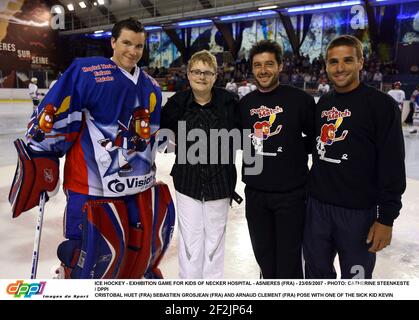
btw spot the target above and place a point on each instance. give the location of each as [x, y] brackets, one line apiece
[266, 46]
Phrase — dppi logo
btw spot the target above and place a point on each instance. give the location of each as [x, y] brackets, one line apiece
[27, 290]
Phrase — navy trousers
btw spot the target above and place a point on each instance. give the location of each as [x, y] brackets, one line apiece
[331, 230]
[276, 225]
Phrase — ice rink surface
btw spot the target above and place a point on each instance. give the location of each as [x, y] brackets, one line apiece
[400, 260]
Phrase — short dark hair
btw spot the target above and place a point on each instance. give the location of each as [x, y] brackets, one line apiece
[266, 46]
[130, 24]
[349, 41]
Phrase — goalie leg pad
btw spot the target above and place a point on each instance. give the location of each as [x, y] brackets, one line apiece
[139, 246]
[120, 238]
[73, 216]
[69, 252]
[105, 232]
[102, 236]
[163, 226]
[151, 217]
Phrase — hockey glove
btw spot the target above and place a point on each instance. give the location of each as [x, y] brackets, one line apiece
[35, 173]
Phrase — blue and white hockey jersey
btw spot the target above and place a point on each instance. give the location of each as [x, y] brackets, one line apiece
[104, 123]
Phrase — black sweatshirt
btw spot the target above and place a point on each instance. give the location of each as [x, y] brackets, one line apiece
[277, 120]
[358, 161]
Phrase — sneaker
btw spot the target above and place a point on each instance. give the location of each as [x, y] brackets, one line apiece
[413, 131]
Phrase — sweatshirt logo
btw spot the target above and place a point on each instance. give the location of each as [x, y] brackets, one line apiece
[329, 133]
[334, 114]
[264, 111]
[262, 130]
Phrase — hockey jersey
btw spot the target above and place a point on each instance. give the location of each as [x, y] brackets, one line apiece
[33, 91]
[398, 95]
[105, 125]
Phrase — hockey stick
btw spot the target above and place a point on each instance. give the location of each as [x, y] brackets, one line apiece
[38, 230]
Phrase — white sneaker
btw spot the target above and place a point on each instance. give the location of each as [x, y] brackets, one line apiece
[413, 131]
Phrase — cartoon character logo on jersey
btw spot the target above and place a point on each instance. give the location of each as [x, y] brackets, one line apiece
[262, 131]
[328, 137]
[130, 139]
[42, 123]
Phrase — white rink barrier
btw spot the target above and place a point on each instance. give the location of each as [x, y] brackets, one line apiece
[23, 94]
[17, 94]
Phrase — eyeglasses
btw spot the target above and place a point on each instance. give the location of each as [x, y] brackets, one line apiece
[197, 73]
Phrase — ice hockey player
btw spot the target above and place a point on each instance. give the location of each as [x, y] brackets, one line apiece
[103, 115]
[33, 92]
[398, 94]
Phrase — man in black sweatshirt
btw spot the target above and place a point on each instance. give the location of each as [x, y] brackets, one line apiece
[278, 116]
[358, 174]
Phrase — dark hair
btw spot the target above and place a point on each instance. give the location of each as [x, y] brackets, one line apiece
[266, 46]
[130, 24]
[349, 41]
